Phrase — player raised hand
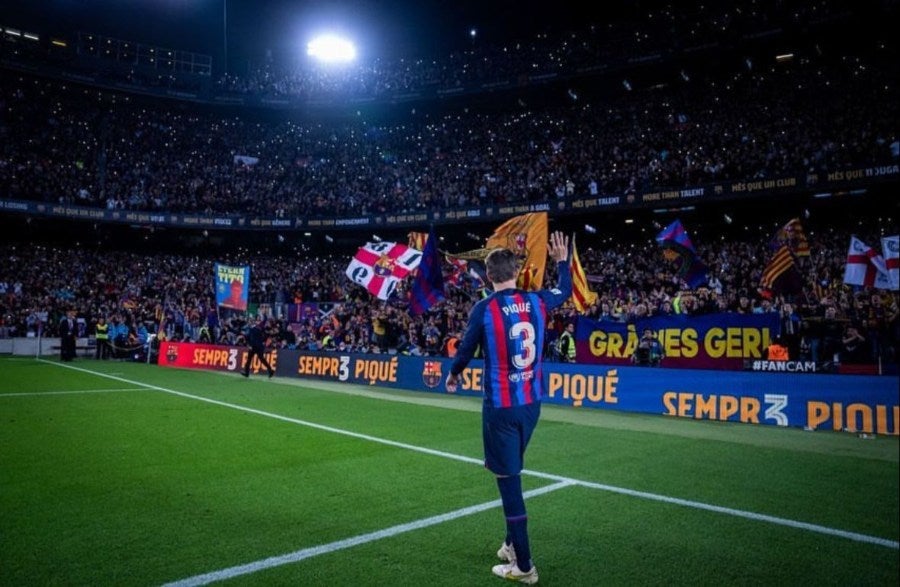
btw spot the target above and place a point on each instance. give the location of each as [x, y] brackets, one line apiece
[558, 249]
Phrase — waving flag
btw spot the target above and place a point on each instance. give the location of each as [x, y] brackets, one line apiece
[677, 247]
[526, 236]
[891, 247]
[417, 240]
[782, 274]
[792, 235]
[865, 266]
[379, 267]
[466, 271]
[428, 286]
[582, 296]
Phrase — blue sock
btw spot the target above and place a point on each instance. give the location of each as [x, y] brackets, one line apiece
[516, 519]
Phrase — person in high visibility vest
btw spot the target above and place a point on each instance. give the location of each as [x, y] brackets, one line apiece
[777, 351]
[101, 335]
[566, 344]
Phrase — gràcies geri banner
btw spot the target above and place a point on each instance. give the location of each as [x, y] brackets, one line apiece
[714, 341]
[861, 403]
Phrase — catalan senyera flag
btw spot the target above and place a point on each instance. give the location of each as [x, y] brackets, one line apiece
[780, 266]
[582, 296]
[782, 274]
[526, 236]
[792, 235]
[417, 240]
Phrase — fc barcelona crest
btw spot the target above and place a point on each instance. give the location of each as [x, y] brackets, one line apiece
[431, 373]
[384, 266]
[172, 353]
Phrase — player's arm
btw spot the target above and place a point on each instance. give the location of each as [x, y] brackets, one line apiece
[467, 347]
[558, 250]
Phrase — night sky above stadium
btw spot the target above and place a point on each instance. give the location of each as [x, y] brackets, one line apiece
[380, 29]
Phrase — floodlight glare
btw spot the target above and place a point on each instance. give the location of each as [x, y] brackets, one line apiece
[331, 49]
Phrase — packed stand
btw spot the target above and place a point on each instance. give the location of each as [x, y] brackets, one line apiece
[108, 151]
[172, 297]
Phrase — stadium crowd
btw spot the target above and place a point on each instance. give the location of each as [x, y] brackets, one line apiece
[109, 151]
[172, 296]
[65, 143]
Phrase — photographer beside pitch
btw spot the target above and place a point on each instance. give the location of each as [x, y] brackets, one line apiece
[509, 326]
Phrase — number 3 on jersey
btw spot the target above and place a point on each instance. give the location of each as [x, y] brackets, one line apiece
[522, 335]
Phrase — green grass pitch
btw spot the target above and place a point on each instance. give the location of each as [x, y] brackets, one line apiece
[128, 474]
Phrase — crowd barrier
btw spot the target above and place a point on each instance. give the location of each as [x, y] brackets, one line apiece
[858, 403]
[33, 346]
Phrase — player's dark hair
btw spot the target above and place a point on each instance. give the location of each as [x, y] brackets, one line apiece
[501, 265]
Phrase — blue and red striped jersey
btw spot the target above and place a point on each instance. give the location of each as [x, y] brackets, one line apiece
[510, 326]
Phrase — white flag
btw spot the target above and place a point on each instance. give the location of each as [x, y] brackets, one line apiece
[380, 266]
[865, 266]
[891, 247]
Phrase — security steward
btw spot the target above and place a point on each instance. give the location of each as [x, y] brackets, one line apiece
[566, 344]
[101, 335]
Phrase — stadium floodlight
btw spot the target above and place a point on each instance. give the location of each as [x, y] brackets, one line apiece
[331, 49]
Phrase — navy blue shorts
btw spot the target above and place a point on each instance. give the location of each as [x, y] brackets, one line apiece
[506, 432]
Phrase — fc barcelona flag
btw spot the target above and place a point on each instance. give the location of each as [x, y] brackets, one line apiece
[428, 286]
[379, 267]
[526, 236]
[677, 247]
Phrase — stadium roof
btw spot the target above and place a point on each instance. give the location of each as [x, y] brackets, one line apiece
[402, 27]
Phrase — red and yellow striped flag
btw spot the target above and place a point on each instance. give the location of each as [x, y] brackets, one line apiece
[582, 296]
[782, 262]
[417, 240]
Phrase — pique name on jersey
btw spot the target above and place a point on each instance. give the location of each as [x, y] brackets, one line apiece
[517, 308]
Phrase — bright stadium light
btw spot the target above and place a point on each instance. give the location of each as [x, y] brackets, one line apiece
[331, 49]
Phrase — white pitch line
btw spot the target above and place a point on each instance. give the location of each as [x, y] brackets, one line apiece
[299, 555]
[589, 484]
[72, 392]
